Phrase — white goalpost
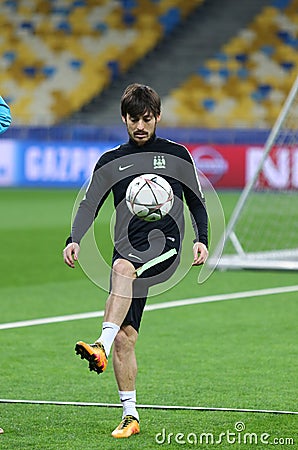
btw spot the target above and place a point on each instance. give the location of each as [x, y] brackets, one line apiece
[263, 230]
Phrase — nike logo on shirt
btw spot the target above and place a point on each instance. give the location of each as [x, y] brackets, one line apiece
[124, 167]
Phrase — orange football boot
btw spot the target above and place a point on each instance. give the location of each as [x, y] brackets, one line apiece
[127, 427]
[94, 353]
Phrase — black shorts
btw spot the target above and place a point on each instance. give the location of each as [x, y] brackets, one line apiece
[153, 272]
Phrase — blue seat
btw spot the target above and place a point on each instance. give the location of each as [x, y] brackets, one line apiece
[101, 26]
[128, 4]
[114, 69]
[221, 56]
[10, 55]
[64, 26]
[11, 4]
[170, 20]
[49, 71]
[287, 65]
[265, 89]
[209, 104]
[281, 4]
[241, 57]
[128, 18]
[79, 3]
[224, 72]
[30, 71]
[204, 72]
[283, 35]
[261, 93]
[27, 25]
[269, 50]
[62, 10]
[76, 64]
[242, 73]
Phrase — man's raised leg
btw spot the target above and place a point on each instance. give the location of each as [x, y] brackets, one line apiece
[117, 306]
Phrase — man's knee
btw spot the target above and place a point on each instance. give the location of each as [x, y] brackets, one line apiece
[124, 268]
[126, 339]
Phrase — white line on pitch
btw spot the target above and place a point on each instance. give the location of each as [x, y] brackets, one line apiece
[166, 407]
[156, 306]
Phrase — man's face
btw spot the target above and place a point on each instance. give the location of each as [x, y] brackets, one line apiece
[141, 128]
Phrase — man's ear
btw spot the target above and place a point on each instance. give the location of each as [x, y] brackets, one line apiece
[123, 119]
[158, 118]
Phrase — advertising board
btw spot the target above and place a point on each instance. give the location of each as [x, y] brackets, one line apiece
[70, 164]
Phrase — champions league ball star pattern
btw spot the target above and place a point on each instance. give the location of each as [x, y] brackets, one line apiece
[149, 197]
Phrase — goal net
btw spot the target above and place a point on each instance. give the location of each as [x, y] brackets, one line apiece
[263, 229]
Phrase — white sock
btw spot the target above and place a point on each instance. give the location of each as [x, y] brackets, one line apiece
[108, 334]
[128, 400]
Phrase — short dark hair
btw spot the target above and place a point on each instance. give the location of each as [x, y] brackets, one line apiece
[138, 99]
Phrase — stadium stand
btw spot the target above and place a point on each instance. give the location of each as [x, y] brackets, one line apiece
[56, 55]
[175, 58]
[245, 83]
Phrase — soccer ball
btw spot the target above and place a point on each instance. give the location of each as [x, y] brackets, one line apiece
[149, 197]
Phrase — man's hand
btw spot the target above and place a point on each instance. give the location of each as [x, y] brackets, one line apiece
[200, 254]
[71, 254]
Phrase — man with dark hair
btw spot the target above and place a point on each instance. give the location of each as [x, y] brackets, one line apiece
[145, 253]
[5, 117]
[134, 105]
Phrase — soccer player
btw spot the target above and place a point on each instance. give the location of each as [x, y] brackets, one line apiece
[5, 117]
[136, 242]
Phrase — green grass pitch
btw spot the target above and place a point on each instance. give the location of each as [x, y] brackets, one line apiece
[230, 354]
